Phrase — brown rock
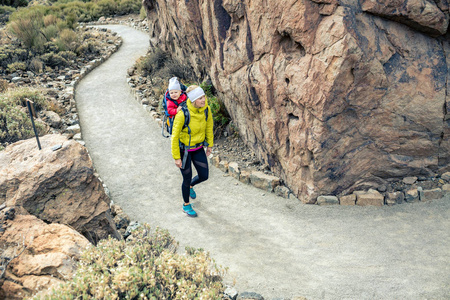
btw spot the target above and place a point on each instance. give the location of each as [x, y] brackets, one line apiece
[446, 176]
[264, 181]
[56, 186]
[412, 195]
[327, 200]
[282, 191]
[48, 258]
[410, 180]
[244, 177]
[215, 161]
[432, 194]
[223, 166]
[394, 198]
[371, 197]
[446, 188]
[348, 199]
[332, 103]
[233, 169]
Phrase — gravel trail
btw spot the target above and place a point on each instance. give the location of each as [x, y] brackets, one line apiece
[276, 247]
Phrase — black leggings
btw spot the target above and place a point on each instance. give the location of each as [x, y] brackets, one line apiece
[198, 158]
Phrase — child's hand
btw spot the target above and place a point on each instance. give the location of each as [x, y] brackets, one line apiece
[178, 108]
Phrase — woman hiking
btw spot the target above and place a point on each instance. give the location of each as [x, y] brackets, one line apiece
[188, 142]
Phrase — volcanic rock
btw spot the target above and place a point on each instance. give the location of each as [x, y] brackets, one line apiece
[56, 185]
[39, 255]
[335, 96]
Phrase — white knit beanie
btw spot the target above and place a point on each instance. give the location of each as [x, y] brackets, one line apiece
[195, 94]
[174, 84]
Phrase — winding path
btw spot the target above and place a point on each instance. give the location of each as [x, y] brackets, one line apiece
[272, 246]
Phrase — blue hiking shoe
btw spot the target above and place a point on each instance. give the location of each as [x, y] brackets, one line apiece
[189, 211]
[192, 193]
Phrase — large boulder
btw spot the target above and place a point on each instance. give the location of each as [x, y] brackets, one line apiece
[37, 255]
[335, 96]
[56, 185]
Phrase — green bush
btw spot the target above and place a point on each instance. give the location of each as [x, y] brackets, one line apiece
[68, 55]
[10, 55]
[129, 7]
[6, 9]
[36, 65]
[50, 32]
[218, 109]
[50, 20]
[15, 123]
[151, 62]
[50, 47]
[145, 266]
[16, 66]
[105, 8]
[90, 46]
[3, 85]
[53, 60]
[18, 96]
[26, 25]
[67, 40]
[142, 13]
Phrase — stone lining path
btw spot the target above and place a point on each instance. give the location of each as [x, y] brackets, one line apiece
[276, 247]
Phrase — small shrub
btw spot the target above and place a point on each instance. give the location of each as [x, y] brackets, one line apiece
[18, 96]
[129, 7]
[50, 47]
[68, 55]
[26, 25]
[50, 20]
[3, 85]
[106, 8]
[15, 123]
[144, 267]
[5, 12]
[50, 32]
[16, 66]
[152, 62]
[142, 13]
[10, 55]
[88, 47]
[6, 9]
[53, 60]
[54, 106]
[218, 109]
[36, 65]
[67, 40]
[72, 20]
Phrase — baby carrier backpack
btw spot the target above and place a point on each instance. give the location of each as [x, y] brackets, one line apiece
[168, 119]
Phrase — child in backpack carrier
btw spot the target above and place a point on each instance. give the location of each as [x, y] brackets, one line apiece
[173, 97]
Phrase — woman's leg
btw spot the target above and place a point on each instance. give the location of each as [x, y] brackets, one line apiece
[200, 162]
[187, 176]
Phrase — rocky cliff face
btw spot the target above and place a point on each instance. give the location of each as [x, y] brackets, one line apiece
[334, 95]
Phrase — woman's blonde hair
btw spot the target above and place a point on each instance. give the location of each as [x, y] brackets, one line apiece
[191, 88]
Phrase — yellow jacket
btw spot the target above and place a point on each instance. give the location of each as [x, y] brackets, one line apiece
[201, 130]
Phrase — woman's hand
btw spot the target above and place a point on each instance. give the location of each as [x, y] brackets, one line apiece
[178, 163]
[208, 151]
